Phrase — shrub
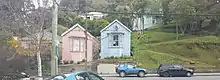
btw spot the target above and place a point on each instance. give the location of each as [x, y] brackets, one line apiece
[84, 60]
[112, 57]
[126, 57]
[78, 62]
[66, 62]
[107, 58]
[121, 57]
[71, 62]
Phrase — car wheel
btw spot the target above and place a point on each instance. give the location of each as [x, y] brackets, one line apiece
[188, 74]
[141, 74]
[122, 74]
[166, 74]
[160, 75]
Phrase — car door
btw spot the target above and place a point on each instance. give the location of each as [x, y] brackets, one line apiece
[131, 69]
[172, 71]
[93, 76]
[82, 76]
[177, 70]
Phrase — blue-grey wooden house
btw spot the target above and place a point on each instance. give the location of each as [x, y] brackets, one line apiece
[115, 40]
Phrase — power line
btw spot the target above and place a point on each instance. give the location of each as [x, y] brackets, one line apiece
[152, 14]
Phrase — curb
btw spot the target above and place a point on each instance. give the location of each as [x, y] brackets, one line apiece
[156, 75]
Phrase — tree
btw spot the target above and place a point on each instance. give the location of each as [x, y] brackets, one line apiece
[165, 6]
[9, 61]
[16, 45]
[94, 26]
[186, 8]
[24, 16]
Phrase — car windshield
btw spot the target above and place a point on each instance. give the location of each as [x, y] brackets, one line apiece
[121, 65]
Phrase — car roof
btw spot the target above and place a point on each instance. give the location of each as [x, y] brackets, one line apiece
[67, 74]
[168, 64]
[73, 74]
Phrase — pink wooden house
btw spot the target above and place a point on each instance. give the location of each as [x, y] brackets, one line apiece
[73, 45]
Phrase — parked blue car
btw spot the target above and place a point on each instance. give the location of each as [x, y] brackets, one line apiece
[126, 69]
[82, 75]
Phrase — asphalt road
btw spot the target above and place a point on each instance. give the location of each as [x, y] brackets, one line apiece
[163, 78]
[197, 76]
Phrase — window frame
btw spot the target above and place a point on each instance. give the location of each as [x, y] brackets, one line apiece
[130, 66]
[84, 73]
[119, 40]
[115, 40]
[100, 78]
[80, 44]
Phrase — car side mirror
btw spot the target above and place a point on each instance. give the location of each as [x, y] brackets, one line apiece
[134, 67]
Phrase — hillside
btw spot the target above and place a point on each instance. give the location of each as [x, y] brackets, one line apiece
[154, 48]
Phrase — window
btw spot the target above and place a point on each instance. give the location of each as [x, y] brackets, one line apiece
[82, 76]
[115, 40]
[130, 66]
[77, 44]
[177, 66]
[94, 76]
[82, 41]
[154, 21]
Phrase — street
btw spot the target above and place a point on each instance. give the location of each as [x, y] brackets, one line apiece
[163, 78]
[197, 76]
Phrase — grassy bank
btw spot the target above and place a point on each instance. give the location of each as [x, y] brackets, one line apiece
[154, 48]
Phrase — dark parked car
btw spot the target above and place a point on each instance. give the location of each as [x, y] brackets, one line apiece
[169, 70]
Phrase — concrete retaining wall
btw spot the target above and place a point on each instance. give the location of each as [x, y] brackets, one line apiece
[106, 68]
[77, 67]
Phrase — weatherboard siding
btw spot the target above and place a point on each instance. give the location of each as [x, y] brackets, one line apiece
[67, 55]
[107, 51]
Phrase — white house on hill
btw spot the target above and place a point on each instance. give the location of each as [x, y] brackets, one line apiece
[93, 15]
[149, 21]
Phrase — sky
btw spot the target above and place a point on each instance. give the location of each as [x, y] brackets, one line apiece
[42, 3]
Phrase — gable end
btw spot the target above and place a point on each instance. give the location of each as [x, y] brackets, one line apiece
[116, 21]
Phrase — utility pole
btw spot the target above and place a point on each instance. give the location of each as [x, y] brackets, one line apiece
[86, 37]
[54, 52]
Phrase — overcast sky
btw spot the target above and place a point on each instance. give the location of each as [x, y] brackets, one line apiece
[42, 3]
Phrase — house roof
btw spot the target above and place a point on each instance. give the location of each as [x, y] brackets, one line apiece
[96, 13]
[76, 25]
[116, 21]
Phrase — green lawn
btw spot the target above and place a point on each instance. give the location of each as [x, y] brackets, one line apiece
[154, 48]
[151, 59]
